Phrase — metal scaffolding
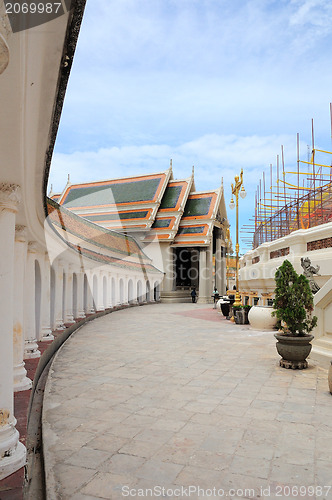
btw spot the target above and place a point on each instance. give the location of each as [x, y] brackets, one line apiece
[291, 200]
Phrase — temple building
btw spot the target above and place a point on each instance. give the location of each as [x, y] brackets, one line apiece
[179, 228]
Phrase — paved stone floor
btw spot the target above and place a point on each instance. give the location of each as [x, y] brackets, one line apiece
[175, 396]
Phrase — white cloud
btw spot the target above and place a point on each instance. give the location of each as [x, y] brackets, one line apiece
[213, 155]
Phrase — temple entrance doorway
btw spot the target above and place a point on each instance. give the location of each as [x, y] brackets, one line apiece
[186, 268]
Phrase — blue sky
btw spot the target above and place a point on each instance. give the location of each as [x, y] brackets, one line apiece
[219, 84]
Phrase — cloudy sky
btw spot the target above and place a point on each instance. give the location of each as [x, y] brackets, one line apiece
[219, 84]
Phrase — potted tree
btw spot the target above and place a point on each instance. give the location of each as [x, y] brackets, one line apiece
[293, 304]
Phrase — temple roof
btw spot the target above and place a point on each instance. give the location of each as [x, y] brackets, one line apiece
[155, 206]
[96, 242]
[199, 217]
[129, 202]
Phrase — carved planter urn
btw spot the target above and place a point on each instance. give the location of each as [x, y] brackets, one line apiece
[294, 350]
[330, 378]
[260, 318]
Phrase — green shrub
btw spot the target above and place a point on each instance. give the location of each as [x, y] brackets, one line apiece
[293, 302]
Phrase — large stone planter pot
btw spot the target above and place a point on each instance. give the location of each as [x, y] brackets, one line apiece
[293, 350]
[224, 306]
[330, 378]
[260, 318]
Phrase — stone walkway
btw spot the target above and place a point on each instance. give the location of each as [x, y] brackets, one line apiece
[176, 397]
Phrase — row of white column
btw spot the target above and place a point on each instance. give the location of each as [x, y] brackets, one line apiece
[54, 297]
[12, 452]
[37, 299]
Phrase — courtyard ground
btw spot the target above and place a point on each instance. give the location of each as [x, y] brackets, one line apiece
[174, 396]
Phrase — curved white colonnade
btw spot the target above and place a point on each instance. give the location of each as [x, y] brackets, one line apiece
[47, 278]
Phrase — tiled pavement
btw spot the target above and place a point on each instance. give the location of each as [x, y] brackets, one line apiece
[175, 396]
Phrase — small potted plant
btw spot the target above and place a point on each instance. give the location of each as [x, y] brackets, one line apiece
[246, 308]
[237, 314]
[293, 304]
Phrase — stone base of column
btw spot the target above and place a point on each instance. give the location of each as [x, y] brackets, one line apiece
[21, 381]
[59, 326]
[31, 349]
[80, 314]
[47, 334]
[69, 319]
[12, 452]
[100, 308]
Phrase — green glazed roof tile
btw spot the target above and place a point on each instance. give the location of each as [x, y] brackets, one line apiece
[197, 207]
[124, 192]
[160, 223]
[171, 197]
[191, 230]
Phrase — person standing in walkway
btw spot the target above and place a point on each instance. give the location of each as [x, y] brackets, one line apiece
[193, 295]
[215, 296]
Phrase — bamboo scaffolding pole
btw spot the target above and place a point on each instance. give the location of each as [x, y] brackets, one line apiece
[313, 162]
[317, 164]
[298, 178]
[265, 227]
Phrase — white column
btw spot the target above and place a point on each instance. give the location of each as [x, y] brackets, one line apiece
[80, 295]
[58, 269]
[12, 452]
[219, 268]
[109, 287]
[21, 381]
[209, 265]
[46, 330]
[117, 290]
[31, 346]
[135, 299]
[152, 290]
[90, 308]
[100, 294]
[169, 268]
[125, 290]
[69, 318]
[203, 296]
